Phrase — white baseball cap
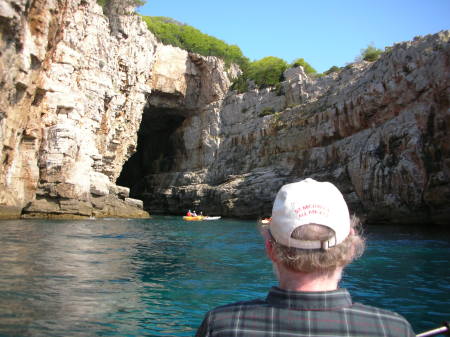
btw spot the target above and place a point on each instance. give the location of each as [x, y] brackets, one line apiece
[309, 202]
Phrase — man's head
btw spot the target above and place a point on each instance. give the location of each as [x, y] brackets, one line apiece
[311, 229]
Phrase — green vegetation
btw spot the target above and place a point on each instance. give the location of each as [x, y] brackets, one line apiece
[265, 72]
[279, 89]
[240, 84]
[306, 66]
[333, 69]
[266, 112]
[370, 53]
[177, 34]
[276, 122]
[268, 71]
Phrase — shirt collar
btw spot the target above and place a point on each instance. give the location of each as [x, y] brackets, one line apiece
[314, 300]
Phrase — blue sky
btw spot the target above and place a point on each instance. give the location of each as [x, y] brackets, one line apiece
[323, 32]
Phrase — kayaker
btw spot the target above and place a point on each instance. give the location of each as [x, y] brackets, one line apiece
[310, 239]
[189, 213]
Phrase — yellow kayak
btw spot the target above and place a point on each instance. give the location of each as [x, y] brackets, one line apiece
[193, 218]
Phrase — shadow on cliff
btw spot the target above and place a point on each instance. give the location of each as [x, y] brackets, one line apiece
[155, 148]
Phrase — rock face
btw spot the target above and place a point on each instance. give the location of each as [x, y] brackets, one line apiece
[90, 103]
[380, 131]
[69, 99]
[74, 86]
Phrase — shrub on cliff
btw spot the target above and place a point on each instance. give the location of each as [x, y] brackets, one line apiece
[371, 53]
[306, 66]
[177, 34]
[268, 71]
[266, 112]
[333, 69]
[240, 84]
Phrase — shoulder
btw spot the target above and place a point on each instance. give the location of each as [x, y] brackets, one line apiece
[389, 319]
[372, 310]
[242, 305]
[224, 316]
[233, 310]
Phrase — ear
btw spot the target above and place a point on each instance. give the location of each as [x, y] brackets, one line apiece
[269, 250]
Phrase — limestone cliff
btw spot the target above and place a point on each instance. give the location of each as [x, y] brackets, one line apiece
[70, 90]
[74, 86]
[90, 103]
[380, 131]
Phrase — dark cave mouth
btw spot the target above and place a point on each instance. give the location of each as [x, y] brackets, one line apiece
[156, 148]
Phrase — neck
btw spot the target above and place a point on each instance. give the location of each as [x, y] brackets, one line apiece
[298, 281]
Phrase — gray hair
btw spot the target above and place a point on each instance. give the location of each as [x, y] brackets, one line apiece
[320, 260]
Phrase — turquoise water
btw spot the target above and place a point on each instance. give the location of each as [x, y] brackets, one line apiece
[158, 277]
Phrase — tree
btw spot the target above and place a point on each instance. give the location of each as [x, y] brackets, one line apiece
[268, 71]
[306, 66]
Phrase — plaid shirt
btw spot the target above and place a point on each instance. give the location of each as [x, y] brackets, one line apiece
[310, 314]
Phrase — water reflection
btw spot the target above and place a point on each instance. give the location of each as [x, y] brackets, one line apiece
[61, 276]
[118, 277]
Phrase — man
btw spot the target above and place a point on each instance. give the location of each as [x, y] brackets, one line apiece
[310, 239]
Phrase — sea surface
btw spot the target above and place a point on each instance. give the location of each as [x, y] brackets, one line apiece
[158, 277]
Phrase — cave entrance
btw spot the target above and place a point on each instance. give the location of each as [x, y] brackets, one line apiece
[155, 151]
